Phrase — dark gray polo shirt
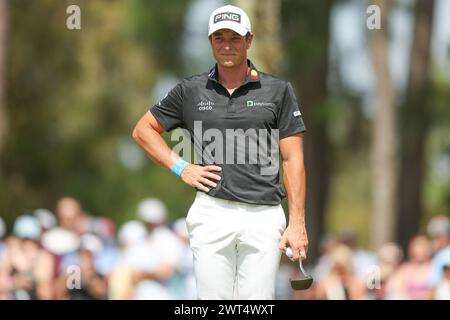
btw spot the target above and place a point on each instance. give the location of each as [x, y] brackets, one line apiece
[262, 107]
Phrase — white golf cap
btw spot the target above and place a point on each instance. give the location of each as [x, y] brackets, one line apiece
[60, 241]
[91, 242]
[229, 17]
[27, 226]
[46, 218]
[152, 211]
[132, 232]
[438, 226]
[180, 228]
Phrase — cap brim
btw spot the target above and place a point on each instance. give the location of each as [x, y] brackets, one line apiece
[237, 27]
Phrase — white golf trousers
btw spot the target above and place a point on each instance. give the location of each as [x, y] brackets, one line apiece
[235, 247]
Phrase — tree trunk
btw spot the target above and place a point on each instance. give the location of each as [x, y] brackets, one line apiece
[384, 159]
[415, 120]
[306, 33]
[265, 15]
[4, 15]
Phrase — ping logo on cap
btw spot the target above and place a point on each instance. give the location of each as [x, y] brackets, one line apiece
[227, 16]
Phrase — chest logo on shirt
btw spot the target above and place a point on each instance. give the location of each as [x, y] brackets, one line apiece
[205, 105]
[251, 103]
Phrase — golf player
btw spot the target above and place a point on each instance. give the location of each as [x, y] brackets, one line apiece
[237, 227]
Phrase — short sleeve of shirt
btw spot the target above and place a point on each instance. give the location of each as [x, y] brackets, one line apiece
[169, 111]
[290, 120]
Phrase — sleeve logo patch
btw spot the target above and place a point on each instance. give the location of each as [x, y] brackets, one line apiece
[297, 113]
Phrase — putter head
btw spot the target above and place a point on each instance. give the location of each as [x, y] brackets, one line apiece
[301, 284]
[304, 282]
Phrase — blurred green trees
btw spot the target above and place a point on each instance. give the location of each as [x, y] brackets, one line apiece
[73, 99]
[306, 39]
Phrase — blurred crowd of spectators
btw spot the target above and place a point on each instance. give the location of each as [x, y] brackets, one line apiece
[74, 255]
[345, 271]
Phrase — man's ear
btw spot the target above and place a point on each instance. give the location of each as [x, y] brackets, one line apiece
[249, 39]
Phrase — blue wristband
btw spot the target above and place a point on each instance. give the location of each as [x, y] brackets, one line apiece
[179, 167]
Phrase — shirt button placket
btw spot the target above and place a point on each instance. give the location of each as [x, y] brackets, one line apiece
[231, 107]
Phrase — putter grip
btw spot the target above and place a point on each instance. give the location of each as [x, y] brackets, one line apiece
[289, 252]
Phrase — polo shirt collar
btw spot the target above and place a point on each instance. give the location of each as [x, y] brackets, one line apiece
[252, 74]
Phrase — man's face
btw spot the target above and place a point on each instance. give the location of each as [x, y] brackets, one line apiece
[229, 48]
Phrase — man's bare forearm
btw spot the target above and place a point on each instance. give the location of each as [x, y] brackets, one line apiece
[294, 178]
[295, 184]
[153, 144]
